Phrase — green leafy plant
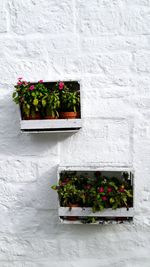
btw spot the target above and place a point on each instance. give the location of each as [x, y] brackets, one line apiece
[69, 192]
[30, 97]
[70, 99]
[51, 103]
[47, 99]
[97, 192]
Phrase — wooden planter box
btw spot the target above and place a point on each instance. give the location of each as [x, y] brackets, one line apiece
[54, 125]
[108, 215]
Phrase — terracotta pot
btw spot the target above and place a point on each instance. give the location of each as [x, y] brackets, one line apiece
[36, 116]
[73, 218]
[50, 117]
[68, 115]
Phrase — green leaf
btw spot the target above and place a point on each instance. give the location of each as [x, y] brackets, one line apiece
[35, 102]
[112, 200]
[43, 102]
[14, 94]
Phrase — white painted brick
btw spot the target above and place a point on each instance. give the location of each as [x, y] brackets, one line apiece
[48, 16]
[10, 70]
[109, 63]
[94, 18]
[113, 43]
[3, 21]
[23, 47]
[142, 63]
[100, 141]
[18, 170]
[135, 20]
[105, 44]
[118, 107]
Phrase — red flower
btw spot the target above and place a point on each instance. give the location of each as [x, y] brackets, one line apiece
[101, 189]
[61, 85]
[104, 198]
[40, 81]
[32, 87]
[109, 189]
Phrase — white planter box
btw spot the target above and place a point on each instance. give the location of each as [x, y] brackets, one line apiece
[59, 125]
[56, 125]
[122, 212]
[106, 216]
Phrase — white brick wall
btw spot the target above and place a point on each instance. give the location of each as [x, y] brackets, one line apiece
[105, 44]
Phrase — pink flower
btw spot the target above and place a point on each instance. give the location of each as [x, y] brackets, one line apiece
[61, 85]
[19, 83]
[32, 87]
[109, 189]
[101, 189]
[20, 78]
[104, 198]
[40, 81]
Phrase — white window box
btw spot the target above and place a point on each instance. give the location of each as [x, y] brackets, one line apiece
[53, 125]
[106, 216]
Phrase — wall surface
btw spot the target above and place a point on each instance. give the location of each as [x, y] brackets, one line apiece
[105, 44]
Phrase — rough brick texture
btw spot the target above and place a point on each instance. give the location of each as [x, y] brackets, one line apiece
[105, 44]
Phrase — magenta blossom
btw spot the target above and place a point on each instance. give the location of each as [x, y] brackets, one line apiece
[61, 85]
[32, 87]
[19, 83]
[101, 189]
[40, 81]
[104, 198]
[109, 189]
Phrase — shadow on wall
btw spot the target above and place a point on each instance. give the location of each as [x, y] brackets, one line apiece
[13, 142]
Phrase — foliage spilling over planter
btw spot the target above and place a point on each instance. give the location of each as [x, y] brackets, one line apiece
[47, 100]
[98, 192]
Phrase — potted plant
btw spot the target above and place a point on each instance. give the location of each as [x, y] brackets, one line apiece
[30, 97]
[70, 101]
[51, 103]
[70, 193]
[47, 100]
[97, 192]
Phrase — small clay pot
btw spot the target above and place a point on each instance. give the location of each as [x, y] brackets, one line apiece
[36, 116]
[73, 218]
[68, 115]
[50, 117]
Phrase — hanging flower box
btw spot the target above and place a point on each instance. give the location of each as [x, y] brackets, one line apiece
[95, 196]
[48, 106]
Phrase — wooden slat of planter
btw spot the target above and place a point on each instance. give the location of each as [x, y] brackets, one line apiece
[50, 124]
[122, 212]
[99, 222]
